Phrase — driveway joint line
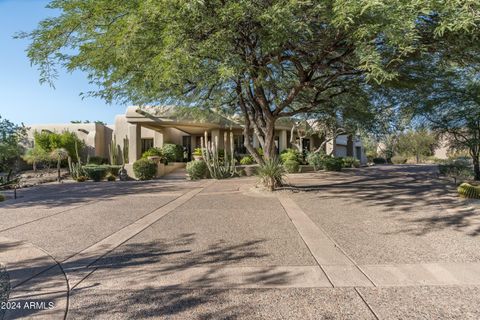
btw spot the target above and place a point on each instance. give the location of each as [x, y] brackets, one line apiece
[194, 192]
[366, 303]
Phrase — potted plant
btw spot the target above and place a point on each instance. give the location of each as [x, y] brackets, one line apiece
[197, 154]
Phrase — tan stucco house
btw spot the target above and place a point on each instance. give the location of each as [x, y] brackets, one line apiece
[146, 127]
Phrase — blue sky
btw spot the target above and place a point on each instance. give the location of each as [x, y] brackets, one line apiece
[22, 98]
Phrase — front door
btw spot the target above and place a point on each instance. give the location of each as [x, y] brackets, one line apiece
[187, 148]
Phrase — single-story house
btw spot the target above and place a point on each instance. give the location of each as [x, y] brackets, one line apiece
[147, 127]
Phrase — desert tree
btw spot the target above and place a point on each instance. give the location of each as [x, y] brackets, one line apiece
[264, 60]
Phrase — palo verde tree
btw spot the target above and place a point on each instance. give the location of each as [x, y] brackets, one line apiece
[451, 107]
[416, 143]
[11, 138]
[263, 60]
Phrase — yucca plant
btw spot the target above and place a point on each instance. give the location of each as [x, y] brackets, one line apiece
[59, 154]
[271, 173]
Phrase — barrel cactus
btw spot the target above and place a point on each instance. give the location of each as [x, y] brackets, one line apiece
[468, 191]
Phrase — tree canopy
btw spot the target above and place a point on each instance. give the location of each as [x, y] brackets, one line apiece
[11, 137]
[262, 59]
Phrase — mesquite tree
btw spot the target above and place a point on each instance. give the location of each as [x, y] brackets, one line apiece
[262, 59]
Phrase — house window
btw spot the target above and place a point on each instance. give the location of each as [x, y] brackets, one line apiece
[147, 144]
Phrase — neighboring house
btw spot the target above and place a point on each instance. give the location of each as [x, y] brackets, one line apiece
[147, 127]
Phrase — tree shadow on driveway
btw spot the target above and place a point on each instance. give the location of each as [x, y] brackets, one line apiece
[411, 194]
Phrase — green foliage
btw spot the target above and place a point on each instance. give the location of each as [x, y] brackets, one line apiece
[197, 152]
[416, 143]
[467, 190]
[2, 197]
[247, 160]
[11, 136]
[35, 156]
[316, 159]
[197, 169]
[144, 169]
[290, 154]
[271, 173]
[398, 160]
[172, 152]
[333, 164]
[294, 56]
[111, 177]
[291, 166]
[97, 160]
[113, 170]
[458, 169]
[350, 162]
[96, 172]
[50, 141]
[153, 152]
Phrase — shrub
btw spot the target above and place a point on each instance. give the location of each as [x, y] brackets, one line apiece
[2, 197]
[97, 160]
[351, 162]
[153, 152]
[172, 152]
[456, 168]
[96, 172]
[271, 173]
[291, 166]
[196, 169]
[290, 154]
[399, 160]
[316, 159]
[247, 160]
[197, 152]
[333, 164]
[468, 191]
[144, 169]
[113, 170]
[111, 177]
[49, 141]
[379, 160]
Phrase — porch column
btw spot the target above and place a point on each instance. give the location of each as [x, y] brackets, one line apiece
[282, 141]
[158, 139]
[134, 142]
[255, 143]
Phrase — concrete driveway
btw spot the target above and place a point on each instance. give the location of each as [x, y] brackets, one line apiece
[387, 242]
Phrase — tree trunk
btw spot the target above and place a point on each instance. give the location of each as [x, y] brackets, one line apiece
[476, 168]
[58, 170]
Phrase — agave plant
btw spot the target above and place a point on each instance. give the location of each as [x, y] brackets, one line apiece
[59, 154]
[271, 173]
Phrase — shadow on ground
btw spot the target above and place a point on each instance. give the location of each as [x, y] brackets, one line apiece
[401, 191]
[58, 195]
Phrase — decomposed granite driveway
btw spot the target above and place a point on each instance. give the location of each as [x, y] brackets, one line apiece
[387, 242]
